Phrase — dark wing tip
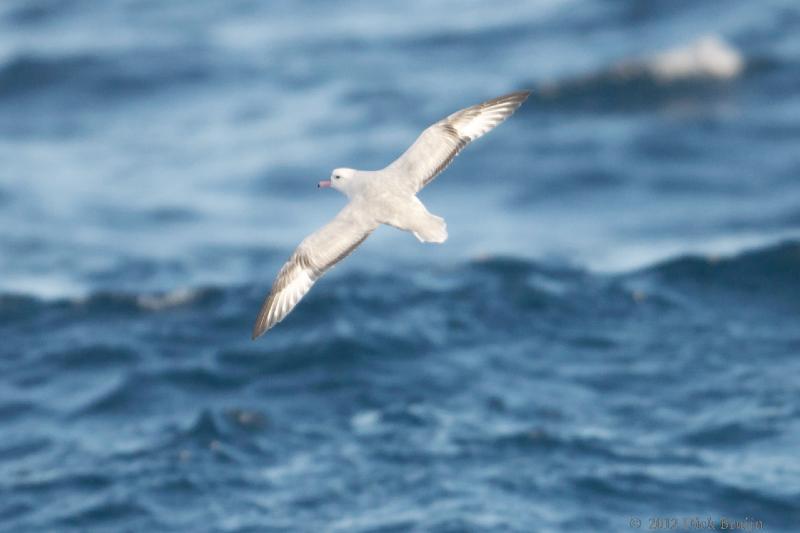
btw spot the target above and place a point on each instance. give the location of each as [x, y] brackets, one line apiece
[521, 95]
[517, 98]
[258, 329]
[262, 324]
[508, 102]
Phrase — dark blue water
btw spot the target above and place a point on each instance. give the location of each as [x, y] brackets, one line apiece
[611, 333]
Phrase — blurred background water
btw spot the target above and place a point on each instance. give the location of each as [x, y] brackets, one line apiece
[611, 331]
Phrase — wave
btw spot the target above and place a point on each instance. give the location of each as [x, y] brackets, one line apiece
[100, 77]
[95, 512]
[694, 70]
[36, 12]
[647, 485]
[708, 57]
[493, 286]
[773, 269]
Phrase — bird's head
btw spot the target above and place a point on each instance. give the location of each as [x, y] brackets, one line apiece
[342, 179]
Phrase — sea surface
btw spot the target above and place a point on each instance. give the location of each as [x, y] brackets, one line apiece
[610, 337]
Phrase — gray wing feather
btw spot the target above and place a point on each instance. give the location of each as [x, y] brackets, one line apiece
[439, 144]
[318, 252]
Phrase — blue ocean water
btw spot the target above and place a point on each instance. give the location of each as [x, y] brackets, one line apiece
[610, 334]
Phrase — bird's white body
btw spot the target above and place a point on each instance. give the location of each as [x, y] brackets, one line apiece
[387, 196]
[383, 197]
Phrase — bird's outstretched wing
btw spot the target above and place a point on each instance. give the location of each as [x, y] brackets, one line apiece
[436, 147]
[313, 257]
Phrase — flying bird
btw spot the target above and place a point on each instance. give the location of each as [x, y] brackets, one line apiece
[387, 196]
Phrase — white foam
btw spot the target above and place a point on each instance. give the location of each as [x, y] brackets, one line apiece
[49, 287]
[707, 57]
[627, 257]
[365, 421]
[157, 302]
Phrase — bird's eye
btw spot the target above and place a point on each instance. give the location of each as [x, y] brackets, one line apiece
[336, 177]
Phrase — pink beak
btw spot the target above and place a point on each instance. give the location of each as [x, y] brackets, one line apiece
[324, 183]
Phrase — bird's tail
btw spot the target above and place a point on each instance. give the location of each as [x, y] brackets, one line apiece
[431, 229]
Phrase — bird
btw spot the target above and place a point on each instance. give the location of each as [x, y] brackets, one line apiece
[387, 196]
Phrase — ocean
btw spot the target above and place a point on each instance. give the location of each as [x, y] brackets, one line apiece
[608, 341]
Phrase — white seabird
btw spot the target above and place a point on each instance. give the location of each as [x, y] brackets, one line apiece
[378, 197]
